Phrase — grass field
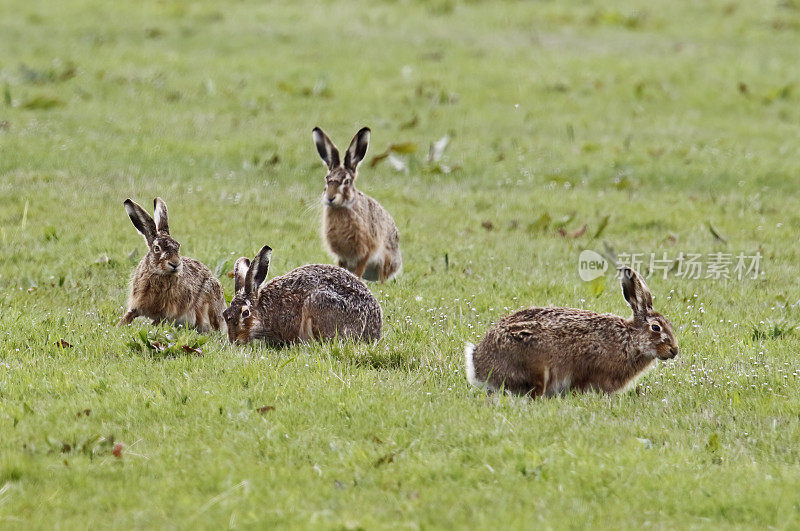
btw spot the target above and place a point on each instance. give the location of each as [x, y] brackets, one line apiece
[655, 125]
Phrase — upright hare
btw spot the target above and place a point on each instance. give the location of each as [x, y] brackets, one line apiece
[356, 228]
[166, 285]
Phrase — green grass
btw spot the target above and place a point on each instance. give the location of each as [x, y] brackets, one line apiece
[665, 118]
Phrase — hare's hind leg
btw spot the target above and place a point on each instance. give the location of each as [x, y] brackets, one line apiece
[392, 263]
[361, 266]
[388, 268]
[202, 321]
[532, 381]
[543, 381]
[216, 321]
[326, 316]
[306, 331]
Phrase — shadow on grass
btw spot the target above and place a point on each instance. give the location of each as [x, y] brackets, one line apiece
[379, 355]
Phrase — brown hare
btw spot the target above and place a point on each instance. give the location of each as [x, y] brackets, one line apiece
[167, 286]
[550, 351]
[317, 301]
[357, 229]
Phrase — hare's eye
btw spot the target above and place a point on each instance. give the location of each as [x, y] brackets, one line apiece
[156, 249]
[655, 328]
[245, 313]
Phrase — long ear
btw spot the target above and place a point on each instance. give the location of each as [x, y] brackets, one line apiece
[141, 220]
[160, 207]
[357, 150]
[326, 149]
[240, 273]
[636, 293]
[258, 270]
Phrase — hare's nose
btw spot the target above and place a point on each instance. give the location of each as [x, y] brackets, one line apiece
[174, 265]
[673, 352]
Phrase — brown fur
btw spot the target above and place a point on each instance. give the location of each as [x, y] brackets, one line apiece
[169, 287]
[313, 302]
[358, 231]
[548, 351]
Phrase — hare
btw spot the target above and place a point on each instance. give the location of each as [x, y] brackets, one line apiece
[317, 301]
[167, 286]
[357, 229]
[550, 351]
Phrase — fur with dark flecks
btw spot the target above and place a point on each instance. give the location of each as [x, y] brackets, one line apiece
[312, 302]
[550, 351]
[167, 286]
[356, 228]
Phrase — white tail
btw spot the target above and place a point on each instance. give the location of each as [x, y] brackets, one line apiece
[469, 363]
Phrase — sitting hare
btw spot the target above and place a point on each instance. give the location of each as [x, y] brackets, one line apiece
[317, 301]
[357, 229]
[167, 286]
[549, 351]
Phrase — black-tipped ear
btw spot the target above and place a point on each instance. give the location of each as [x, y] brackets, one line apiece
[141, 220]
[357, 150]
[327, 150]
[258, 270]
[160, 209]
[240, 273]
[636, 293]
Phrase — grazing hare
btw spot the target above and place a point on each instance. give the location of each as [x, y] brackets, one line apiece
[358, 230]
[167, 286]
[549, 351]
[317, 301]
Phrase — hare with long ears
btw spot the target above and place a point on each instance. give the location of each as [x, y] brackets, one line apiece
[312, 302]
[167, 286]
[357, 229]
[550, 351]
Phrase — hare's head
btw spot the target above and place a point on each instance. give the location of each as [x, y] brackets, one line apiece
[241, 316]
[651, 330]
[163, 257]
[341, 177]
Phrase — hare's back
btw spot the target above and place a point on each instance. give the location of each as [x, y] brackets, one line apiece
[557, 328]
[549, 317]
[308, 278]
[378, 216]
